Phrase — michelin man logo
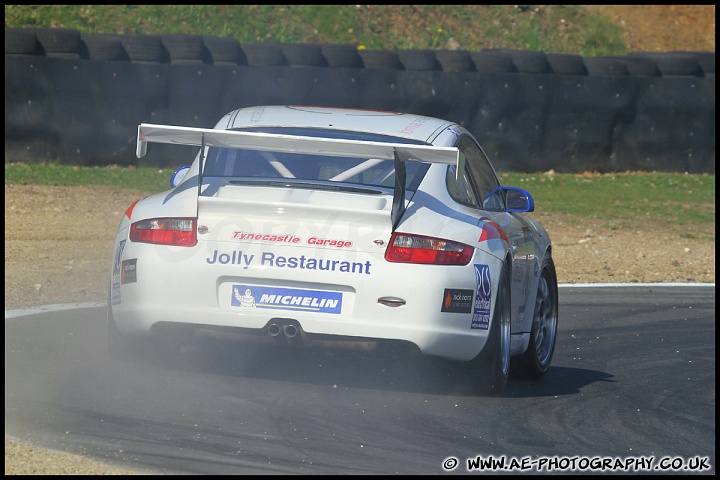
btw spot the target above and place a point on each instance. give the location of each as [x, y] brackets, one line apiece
[247, 300]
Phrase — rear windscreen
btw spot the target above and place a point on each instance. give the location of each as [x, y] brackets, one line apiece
[238, 163]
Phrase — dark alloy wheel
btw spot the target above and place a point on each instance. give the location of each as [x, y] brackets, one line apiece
[535, 362]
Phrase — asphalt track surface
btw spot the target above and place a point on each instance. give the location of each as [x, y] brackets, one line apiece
[633, 377]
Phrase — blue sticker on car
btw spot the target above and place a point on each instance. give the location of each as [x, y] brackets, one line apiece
[271, 260]
[483, 293]
[116, 272]
[253, 296]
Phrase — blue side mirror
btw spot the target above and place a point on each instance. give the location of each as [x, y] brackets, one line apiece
[178, 176]
[518, 200]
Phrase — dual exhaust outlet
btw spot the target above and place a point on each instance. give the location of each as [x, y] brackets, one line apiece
[289, 330]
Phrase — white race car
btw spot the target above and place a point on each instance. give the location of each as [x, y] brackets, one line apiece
[311, 224]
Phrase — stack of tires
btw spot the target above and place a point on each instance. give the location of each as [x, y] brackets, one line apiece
[212, 50]
[533, 110]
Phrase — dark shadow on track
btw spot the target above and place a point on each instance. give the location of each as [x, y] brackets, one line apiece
[404, 371]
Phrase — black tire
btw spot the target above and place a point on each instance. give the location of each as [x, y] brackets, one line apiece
[526, 61]
[60, 42]
[186, 49]
[535, 362]
[304, 55]
[493, 62]
[566, 64]
[380, 59]
[263, 54]
[531, 62]
[22, 41]
[674, 63]
[343, 55]
[641, 66]
[145, 48]
[492, 364]
[225, 50]
[706, 60]
[104, 47]
[609, 66]
[419, 60]
[455, 60]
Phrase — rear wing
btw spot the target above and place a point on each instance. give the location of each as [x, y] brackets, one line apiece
[398, 152]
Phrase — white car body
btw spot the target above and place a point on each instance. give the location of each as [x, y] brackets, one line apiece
[284, 254]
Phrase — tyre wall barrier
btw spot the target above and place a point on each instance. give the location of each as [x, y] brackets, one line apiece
[78, 99]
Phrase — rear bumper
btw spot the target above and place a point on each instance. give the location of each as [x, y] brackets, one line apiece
[181, 289]
[443, 335]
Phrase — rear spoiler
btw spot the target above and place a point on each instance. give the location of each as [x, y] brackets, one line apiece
[398, 152]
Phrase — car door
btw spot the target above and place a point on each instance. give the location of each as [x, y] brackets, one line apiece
[485, 185]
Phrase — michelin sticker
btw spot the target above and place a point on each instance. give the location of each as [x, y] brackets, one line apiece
[253, 296]
[481, 306]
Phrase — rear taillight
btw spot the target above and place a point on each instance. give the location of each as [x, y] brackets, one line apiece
[406, 248]
[165, 231]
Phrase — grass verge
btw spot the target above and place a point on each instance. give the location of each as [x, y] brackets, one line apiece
[551, 28]
[621, 200]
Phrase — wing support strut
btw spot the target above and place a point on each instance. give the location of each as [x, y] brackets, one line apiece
[398, 205]
[201, 166]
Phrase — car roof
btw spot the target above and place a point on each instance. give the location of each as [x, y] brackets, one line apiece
[403, 125]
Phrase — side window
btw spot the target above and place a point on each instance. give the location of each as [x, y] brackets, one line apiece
[461, 189]
[482, 174]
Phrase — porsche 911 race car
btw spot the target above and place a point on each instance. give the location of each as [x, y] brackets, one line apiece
[312, 224]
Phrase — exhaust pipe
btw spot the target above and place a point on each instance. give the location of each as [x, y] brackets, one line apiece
[290, 331]
[283, 329]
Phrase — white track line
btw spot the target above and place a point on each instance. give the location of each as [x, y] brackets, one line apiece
[51, 308]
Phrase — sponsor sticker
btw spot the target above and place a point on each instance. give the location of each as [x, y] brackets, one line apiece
[263, 237]
[128, 271]
[271, 260]
[483, 292]
[294, 299]
[117, 266]
[414, 125]
[290, 239]
[457, 301]
[329, 242]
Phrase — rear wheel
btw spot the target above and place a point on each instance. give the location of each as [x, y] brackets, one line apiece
[494, 360]
[535, 362]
